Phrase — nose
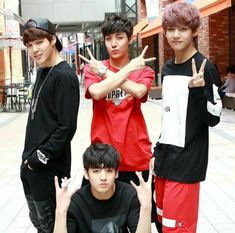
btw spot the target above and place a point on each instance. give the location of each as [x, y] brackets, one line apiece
[103, 175]
[34, 48]
[176, 32]
[114, 42]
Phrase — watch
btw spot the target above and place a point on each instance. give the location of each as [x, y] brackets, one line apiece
[102, 71]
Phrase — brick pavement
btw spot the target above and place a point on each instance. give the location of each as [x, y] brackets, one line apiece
[217, 202]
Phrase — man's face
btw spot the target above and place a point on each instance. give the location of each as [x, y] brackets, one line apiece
[41, 51]
[102, 181]
[180, 38]
[117, 45]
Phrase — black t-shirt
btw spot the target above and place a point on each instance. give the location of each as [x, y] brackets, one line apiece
[87, 214]
[55, 119]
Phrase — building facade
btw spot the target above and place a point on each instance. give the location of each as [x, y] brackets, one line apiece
[215, 40]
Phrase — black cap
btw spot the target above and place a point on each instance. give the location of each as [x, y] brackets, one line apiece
[46, 25]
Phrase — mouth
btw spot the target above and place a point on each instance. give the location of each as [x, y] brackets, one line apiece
[37, 57]
[114, 51]
[176, 42]
[103, 184]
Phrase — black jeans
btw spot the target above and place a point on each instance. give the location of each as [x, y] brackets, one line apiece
[39, 190]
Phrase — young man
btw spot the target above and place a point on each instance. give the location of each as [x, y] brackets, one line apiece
[104, 205]
[118, 87]
[190, 104]
[51, 123]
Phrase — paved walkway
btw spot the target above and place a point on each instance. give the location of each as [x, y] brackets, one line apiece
[217, 202]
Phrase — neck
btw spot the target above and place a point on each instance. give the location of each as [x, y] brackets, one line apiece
[183, 55]
[103, 195]
[119, 63]
[54, 60]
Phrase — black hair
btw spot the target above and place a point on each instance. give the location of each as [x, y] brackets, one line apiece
[117, 23]
[101, 155]
[231, 69]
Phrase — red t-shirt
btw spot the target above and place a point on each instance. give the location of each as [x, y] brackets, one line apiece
[122, 124]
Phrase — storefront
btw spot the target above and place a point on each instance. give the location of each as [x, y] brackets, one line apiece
[215, 38]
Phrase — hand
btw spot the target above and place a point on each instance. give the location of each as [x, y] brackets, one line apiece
[138, 63]
[63, 195]
[26, 163]
[93, 63]
[198, 78]
[144, 190]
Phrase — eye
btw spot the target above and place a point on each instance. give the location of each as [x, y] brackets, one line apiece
[95, 170]
[183, 29]
[110, 170]
[170, 29]
[39, 42]
[107, 38]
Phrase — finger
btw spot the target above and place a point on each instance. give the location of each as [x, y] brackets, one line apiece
[144, 51]
[151, 165]
[202, 68]
[134, 185]
[89, 53]
[194, 69]
[84, 58]
[140, 177]
[56, 183]
[150, 59]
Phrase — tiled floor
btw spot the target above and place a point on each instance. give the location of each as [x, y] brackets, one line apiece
[217, 202]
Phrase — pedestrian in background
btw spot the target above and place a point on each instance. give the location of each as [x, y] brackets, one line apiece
[51, 123]
[229, 84]
[118, 86]
[105, 205]
[190, 104]
[73, 66]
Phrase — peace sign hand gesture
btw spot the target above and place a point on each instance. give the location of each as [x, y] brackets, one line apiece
[144, 190]
[94, 64]
[63, 195]
[138, 63]
[198, 78]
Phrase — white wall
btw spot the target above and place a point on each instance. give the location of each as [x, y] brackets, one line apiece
[67, 11]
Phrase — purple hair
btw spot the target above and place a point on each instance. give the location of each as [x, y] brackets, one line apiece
[181, 14]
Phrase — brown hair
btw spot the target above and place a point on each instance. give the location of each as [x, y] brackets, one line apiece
[32, 34]
[181, 14]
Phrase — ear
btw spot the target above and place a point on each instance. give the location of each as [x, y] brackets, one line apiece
[116, 174]
[53, 41]
[86, 174]
[131, 39]
[195, 33]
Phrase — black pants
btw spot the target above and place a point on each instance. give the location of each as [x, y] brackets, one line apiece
[127, 177]
[39, 190]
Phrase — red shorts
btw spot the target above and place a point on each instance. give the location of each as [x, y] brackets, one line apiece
[177, 205]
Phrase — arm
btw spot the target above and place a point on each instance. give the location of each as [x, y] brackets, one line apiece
[117, 80]
[204, 92]
[66, 91]
[144, 192]
[63, 198]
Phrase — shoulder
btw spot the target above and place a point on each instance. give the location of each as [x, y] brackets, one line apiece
[83, 194]
[64, 73]
[125, 189]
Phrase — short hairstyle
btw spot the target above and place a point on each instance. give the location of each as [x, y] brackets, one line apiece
[116, 23]
[231, 69]
[181, 14]
[32, 34]
[101, 155]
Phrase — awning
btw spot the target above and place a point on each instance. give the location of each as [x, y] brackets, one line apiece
[138, 27]
[206, 8]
